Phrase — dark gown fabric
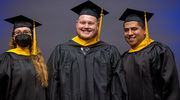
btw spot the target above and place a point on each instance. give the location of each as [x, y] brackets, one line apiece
[98, 75]
[18, 79]
[151, 73]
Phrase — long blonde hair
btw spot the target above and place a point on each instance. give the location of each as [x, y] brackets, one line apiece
[40, 67]
[39, 64]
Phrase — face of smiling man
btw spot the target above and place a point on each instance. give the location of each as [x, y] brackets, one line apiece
[133, 33]
[87, 27]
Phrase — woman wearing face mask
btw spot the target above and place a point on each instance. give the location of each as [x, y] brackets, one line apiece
[23, 73]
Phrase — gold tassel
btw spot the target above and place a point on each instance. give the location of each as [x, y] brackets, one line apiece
[100, 23]
[147, 34]
[34, 46]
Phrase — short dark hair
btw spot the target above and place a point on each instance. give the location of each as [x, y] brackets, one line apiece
[142, 25]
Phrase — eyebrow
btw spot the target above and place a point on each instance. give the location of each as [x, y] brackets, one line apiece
[24, 30]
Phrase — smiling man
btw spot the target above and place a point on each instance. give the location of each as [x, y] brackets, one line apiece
[134, 33]
[87, 27]
[149, 65]
[86, 68]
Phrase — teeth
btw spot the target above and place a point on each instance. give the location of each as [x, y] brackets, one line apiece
[131, 39]
[86, 31]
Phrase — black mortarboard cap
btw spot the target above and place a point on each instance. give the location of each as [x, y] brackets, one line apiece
[135, 15]
[22, 21]
[89, 8]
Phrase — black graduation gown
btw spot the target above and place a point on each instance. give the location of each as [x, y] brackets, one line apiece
[18, 79]
[98, 75]
[151, 73]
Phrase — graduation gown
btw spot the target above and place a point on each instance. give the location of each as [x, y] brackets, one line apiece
[151, 73]
[98, 75]
[18, 80]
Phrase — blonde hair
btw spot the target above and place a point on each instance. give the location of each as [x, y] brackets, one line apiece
[39, 64]
[41, 68]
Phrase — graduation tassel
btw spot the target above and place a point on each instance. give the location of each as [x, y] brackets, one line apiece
[100, 23]
[147, 34]
[34, 46]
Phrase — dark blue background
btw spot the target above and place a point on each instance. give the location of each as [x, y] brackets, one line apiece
[59, 22]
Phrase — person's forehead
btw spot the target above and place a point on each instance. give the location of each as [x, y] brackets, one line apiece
[131, 23]
[22, 28]
[87, 17]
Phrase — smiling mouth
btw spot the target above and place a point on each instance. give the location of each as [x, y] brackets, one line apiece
[85, 31]
[131, 38]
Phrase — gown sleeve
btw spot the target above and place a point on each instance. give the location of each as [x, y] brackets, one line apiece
[118, 85]
[171, 89]
[168, 82]
[5, 75]
[53, 66]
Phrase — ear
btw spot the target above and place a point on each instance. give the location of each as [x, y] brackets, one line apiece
[144, 31]
[76, 22]
[13, 37]
[98, 25]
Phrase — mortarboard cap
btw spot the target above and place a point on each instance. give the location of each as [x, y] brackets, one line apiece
[135, 15]
[88, 8]
[22, 21]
